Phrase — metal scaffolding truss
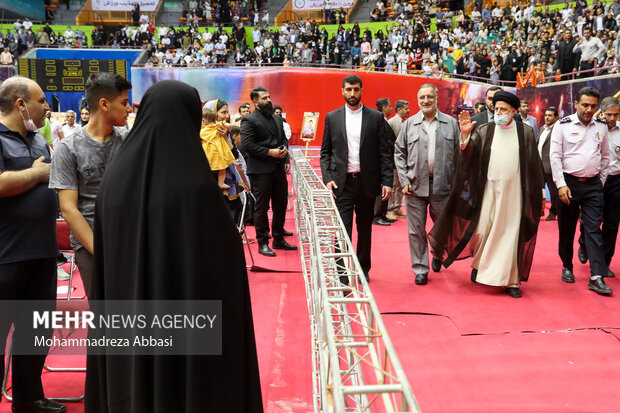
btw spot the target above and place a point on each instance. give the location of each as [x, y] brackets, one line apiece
[355, 367]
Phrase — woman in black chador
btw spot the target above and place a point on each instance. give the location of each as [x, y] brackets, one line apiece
[162, 232]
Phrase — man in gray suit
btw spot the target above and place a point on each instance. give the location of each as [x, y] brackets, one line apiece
[424, 155]
[544, 143]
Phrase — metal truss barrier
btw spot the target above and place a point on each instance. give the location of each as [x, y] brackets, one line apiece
[355, 367]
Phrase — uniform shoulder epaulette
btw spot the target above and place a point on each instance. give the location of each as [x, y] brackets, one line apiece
[565, 120]
[601, 120]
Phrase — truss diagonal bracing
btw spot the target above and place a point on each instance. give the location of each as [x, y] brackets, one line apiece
[355, 367]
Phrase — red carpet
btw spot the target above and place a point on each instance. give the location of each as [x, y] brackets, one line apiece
[469, 347]
[465, 347]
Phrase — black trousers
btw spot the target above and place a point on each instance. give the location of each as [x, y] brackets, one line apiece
[26, 280]
[611, 218]
[589, 196]
[270, 187]
[381, 207]
[553, 194]
[586, 66]
[353, 199]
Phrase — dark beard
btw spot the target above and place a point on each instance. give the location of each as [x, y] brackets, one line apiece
[266, 109]
[357, 101]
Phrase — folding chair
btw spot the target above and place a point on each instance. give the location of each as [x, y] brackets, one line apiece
[7, 368]
[63, 234]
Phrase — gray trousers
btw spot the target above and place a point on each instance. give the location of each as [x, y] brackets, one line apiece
[416, 223]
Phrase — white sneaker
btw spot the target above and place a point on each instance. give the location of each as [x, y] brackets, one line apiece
[62, 274]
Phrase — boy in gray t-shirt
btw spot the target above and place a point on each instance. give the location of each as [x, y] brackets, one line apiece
[80, 160]
[79, 163]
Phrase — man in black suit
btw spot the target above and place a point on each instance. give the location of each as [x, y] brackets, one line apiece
[357, 164]
[544, 143]
[263, 139]
[381, 206]
[486, 115]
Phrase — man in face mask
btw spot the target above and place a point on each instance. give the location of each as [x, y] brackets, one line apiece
[493, 211]
[264, 142]
[28, 249]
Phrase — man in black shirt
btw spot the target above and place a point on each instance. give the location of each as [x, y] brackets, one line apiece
[28, 247]
[263, 139]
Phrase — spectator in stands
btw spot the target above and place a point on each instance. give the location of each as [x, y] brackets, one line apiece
[70, 127]
[6, 58]
[590, 47]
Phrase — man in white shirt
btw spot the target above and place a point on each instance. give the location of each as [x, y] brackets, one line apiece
[590, 47]
[70, 127]
[162, 31]
[579, 157]
[27, 24]
[69, 34]
[357, 165]
[256, 35]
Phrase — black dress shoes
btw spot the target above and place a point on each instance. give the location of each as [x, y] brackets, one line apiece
[581, 254]
[38, 406]
[474, 274]
[266, 251]
[283, 245]
[568, 276]
[421, 279]
[514, 292]
[436, 264]
[390, 220]
[610, 274]
[599, 286]
[550, 217]
[381, 221]
[287, 233]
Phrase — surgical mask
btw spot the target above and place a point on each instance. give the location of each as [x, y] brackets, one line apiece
[29, 124]
[501, 120]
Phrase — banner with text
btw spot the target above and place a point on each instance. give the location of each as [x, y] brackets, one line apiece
[320, 4]
[125, 5]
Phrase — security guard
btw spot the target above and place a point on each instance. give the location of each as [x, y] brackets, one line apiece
[579, 157]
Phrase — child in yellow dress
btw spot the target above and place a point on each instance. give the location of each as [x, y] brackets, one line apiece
[216, 147]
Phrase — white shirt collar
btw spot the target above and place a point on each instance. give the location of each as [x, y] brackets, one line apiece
[354, 112]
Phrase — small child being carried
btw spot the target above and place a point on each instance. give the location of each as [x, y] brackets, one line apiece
[216, 147]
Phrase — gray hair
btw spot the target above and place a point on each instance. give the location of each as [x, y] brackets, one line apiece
[424, 86]
[609, 102]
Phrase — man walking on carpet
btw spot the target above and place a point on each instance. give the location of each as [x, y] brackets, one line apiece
[493, 211]
[424, 156]
[357, 164]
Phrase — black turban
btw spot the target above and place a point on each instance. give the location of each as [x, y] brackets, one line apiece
[507, 97]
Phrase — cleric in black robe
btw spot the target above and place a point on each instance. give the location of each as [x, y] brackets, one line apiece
[489, 228]
[162, 232]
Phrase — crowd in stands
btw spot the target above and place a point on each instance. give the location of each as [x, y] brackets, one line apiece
[493, 44]
[197, 12]
[489, 44]
[22, 37]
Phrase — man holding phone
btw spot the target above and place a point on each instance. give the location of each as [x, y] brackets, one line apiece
[263, 139]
